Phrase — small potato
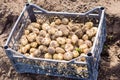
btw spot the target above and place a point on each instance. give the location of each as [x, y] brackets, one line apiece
[90, 33]
[82, 47]
[42, 33]
[35, 30]
[60, 50]
[68, 41]
[48, 56]
[83, 57]
[85, 37]
[58, 33]
[68, 55]
[34, 44]
[55, 56]
[39, 21]
[69, 47]
[75, 28]
[94, 29]
[80, 42]
[79, 33]
[51, 50]
[93, 39]
[27, 54]
[26, 32]
[61, 40]
[31, 37]
[36, 25]
[60, 56]
[54, 44]
[23, 40]
[43, 48]
[24, 50]
[89, 25]
[36, 53]
[52, 24]
[27, 46]
[46, 41]
[75, 53]
[64, 29]
[51, 31]
[86, 50]
[32, 50]
[74, 39]
[58, 21]
[30, 27]
[45, 26]
[39, 39]
[65, 21]
[89, 43]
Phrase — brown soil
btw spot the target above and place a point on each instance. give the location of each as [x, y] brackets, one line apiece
[110, 57]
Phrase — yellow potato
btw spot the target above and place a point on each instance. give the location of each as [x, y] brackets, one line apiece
[85, 37]
[32, 50]
[89, 43]
[23, 50]
[34, 44]
[80, 42]
[58, 21]
[79, 33]
[48, 56]
[68, 55]
[36, 53]
[35, 30]
[42, 33]
[60, 56]
[46, 41]
[89, 25]
[83, 57]
[61, 40]
[82, 47]
[27, 46]
[55, 56]
[69, 47]
[39, 21]
[51, 31]
[75, 53]
[36, 25]
[65, 21]
[86, 50]
[43, 48]
[52, 24]
[39, 39]
[60, 50]
[94, 29]
[54, 43]
[45, 26]
[68, 41]
[58, 33]
[23, 40]
[31, 37]
[51, 50]
[74, 39]
[26, 32]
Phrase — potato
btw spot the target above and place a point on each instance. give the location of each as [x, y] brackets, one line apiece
[58, 21]
[52, 24]
[31, 37]
[27, 46]
[61, 40]
[65, 21]
[55, 56]
[86, 50]
[45, 26]
[74, 28]
[80, 42]
[26, 32]
[32, 50]
[58, 33]
[24, 50]
[85, 37]
[89, 25]
[90, 33]
[79, 69]
[69, 47]
[60, 56]
[82, 47]
[48, 56]
[39, 39]
[23, 40]
[43, 48]
[83, 57]
[68, 41]
[94, 29]
[68, 55]
[51, 50]
[60, 50]
[54, 43]
[89, 43]
[27, 54]
[36, 53]
[39, 21]
[93, 39]
[36, 25]
[64, 29]
[46, 41]
[51, 31]
[75, 53]
[79, 33]
[35, 30]
[42, 33]
[34, 44]
[74, 39]
[30, 27]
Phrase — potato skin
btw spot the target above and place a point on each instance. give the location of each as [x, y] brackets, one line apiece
[68, 55]
[69, 47]
[48, 56]
[59, 50]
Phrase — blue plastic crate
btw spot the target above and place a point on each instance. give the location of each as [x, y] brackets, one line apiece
[62, 68]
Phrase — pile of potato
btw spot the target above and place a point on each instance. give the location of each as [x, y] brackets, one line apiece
[61, 39]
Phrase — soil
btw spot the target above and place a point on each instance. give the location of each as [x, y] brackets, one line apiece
[110, 57]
